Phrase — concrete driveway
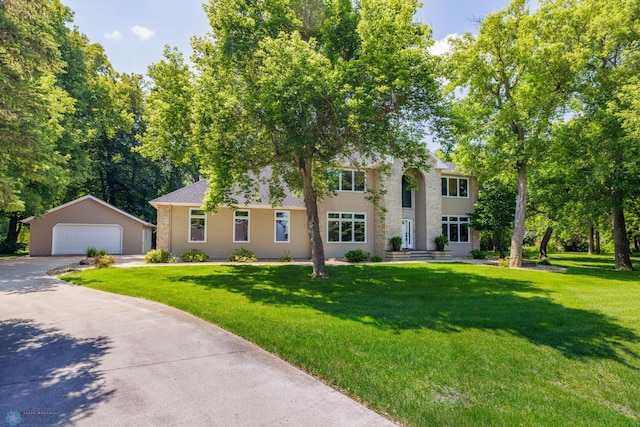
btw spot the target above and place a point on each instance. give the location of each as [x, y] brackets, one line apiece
[75, 356]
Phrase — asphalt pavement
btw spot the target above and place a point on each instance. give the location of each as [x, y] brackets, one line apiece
[75, 356]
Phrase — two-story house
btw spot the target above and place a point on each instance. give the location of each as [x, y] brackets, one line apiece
[348, 220]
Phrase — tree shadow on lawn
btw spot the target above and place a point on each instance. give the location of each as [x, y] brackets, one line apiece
[597, 266]
[440, 298]
[49, 377]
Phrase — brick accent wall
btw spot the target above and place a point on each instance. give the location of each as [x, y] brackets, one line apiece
[163, 236]
[391, 225]
[433, 190]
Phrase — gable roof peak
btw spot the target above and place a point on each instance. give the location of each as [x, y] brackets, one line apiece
[95, 199]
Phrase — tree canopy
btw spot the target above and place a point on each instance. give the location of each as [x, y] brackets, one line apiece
[31, 106]
[516, 82]
[529, 75]
[301, 86]
[68, 121]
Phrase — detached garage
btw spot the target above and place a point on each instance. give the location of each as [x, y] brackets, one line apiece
[87, 222]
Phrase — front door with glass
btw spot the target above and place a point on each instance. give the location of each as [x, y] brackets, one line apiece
[407, 234]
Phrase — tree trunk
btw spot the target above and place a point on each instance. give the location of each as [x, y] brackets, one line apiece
[597, 248]
[313, 223]
[636, 244]
[544, 242]
[14, 229]
[591, 242]
[498, 243]
[621, 249]
[515, 259]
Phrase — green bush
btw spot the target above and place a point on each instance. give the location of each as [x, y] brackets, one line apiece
[356, 255]
[286, 257]
[242, 255]
[503, 262]
[104, 261]
[12, 248]
[91, 252]
[478, 254]
[441, 241]
[194, 255]
[375, 258]
[395, 242]
[157, 256]
[102, 252]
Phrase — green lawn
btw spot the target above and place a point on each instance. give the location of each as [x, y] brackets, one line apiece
[432, 344]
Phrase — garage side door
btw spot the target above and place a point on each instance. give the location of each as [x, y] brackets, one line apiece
[74, 239]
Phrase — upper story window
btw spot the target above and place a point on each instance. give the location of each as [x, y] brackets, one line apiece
[455, 187]
[348, 180]
[240, 226]
[406, 193]
[197, 226]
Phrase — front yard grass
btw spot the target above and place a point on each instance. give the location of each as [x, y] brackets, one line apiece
[432, 344]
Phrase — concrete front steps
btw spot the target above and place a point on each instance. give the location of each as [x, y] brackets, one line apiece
[412, 255]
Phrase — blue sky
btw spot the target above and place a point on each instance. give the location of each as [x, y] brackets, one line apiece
[134, 32]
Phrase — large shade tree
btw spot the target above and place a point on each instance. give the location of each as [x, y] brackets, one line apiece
[169, 136]
[512, 79]
[30, 104]
[302, 85]
[610, 54]
[33, 107]
[592, 171]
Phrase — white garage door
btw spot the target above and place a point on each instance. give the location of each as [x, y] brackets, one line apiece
[74, 239]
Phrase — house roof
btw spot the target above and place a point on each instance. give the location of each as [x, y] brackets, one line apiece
[193, 195]
[450, 168]
[95, 199]
[440, 164]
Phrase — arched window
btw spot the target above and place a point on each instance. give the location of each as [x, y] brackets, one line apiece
[406, 193]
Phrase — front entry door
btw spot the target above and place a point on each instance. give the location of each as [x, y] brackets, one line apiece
[407, 234]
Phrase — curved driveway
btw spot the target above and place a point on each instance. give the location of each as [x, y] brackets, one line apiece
[75, 356]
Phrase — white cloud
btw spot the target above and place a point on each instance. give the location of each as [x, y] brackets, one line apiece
[442, 46]
[143, 33]
[116, 35]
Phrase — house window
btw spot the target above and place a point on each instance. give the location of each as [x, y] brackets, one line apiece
[348, 180]
[406, 193]
[241, 226]
[456, 228]
[346, 227]
[197, 226]
[282, 226]
[455, 187]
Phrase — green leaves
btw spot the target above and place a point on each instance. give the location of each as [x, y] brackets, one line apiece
[168, 114]
[285, 83]
[300, 86]
[30, 106]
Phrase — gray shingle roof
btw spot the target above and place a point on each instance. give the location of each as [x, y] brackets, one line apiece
[95, 199]
[194, 195]
[190, 195]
